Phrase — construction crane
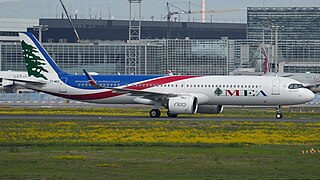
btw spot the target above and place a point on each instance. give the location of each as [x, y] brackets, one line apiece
[170, 13]
[189, 11]
[215, 11]
[73, 27]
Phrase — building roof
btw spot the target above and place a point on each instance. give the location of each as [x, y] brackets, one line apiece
[93, 29]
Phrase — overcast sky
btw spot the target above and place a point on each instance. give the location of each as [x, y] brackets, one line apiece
[119, 9]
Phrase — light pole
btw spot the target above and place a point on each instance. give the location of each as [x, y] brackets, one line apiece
[276, 38]
[40, 28]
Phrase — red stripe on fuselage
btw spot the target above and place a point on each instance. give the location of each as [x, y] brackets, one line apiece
[164, 80]
[138, 86]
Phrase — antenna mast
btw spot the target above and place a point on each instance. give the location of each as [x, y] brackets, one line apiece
[133, 50]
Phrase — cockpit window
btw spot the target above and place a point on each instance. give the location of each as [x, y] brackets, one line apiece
[295, 86]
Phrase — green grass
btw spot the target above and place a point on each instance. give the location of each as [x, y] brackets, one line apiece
[138, 162]
[70, 160]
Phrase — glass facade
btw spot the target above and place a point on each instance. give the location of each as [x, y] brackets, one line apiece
[291, 53]
[293, 23]
[301, 68]
[11, 57]
[107, 59]
[198, 57]
[100, 58]
[297, 30]
[186, 57]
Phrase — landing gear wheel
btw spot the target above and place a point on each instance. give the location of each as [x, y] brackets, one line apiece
[155, 113]
[278, 115]
[171, 114]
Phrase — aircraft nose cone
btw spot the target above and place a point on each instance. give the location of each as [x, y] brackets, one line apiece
[309, 95]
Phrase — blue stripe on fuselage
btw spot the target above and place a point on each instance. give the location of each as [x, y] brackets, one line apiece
[81, 81]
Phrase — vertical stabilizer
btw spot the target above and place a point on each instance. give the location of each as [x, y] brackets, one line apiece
[265, 57]
[38, 62]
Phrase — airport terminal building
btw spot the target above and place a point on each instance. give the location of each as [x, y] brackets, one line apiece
[60, 30]
[192, 49]
[297, 30]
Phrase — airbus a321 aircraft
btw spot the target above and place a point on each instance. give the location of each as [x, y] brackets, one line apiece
[179, 94]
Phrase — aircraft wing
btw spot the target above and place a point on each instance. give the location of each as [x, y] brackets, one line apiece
[287, 75]
[310, 86]
[133, 92]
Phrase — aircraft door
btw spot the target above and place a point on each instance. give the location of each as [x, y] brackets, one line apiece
[62, 85]
[276, 87]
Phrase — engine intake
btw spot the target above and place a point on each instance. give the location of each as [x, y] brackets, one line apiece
[183, 105]
[210, 109]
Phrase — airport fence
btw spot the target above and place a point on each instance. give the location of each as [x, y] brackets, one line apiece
[29, 97]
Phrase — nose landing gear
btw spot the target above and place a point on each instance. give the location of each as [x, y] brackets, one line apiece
[279, 113]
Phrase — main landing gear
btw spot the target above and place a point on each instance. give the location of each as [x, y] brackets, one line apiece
[279, 114]
[171, 114]
[155, 113]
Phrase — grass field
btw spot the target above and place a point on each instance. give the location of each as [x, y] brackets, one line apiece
[158, 149]
[140, 162]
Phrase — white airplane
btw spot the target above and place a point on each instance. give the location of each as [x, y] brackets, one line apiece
[179, 94]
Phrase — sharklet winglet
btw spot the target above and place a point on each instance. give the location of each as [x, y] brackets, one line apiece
[92, 82]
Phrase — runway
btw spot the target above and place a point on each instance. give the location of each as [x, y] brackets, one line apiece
[146, 118]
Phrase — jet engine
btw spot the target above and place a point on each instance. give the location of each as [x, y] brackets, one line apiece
[210, 109]
[183, 105]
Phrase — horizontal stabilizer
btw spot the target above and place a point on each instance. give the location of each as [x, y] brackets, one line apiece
[27, 80]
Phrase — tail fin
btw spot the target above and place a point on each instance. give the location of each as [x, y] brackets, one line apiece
[264, 53]
[39, 63]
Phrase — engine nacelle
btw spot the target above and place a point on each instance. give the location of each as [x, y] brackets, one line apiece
[210, 109]
[183, 105]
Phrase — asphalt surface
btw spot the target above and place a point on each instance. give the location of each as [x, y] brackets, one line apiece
[75, 104]
[146, 118]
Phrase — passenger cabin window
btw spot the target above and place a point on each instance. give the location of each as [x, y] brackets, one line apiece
[295, 86]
